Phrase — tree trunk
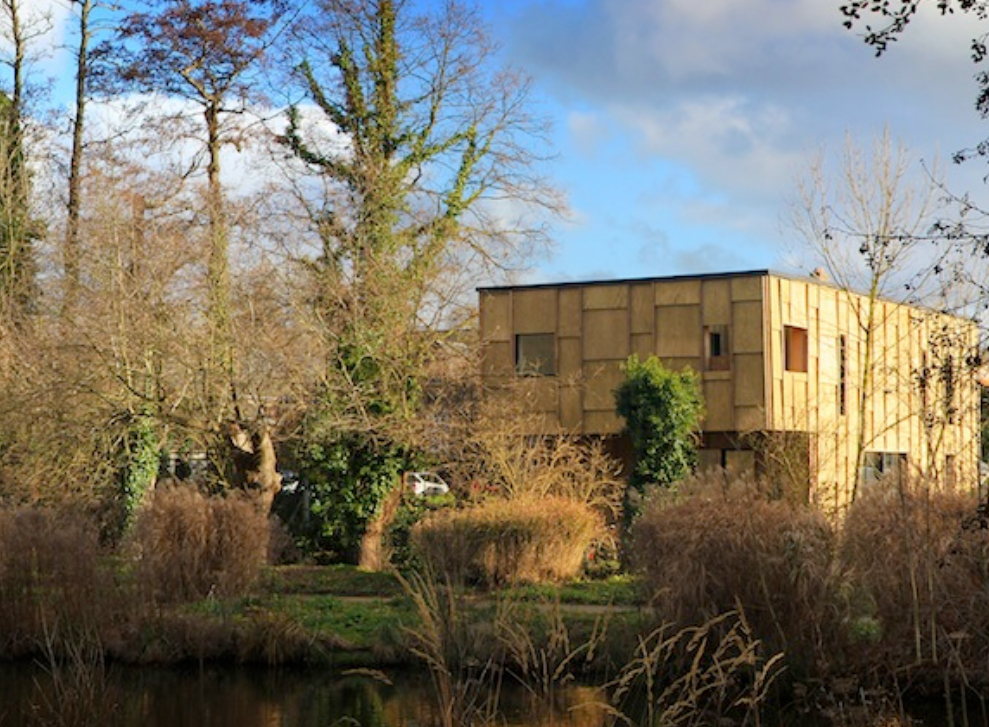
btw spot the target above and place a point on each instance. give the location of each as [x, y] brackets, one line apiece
[255, 464]
[374, 555]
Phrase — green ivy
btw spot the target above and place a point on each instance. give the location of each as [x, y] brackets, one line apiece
[346, 480]
[662, 411]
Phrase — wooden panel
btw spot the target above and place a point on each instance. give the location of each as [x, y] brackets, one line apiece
[678, 331]
[606, 335]
[747, 288]
[642, 345]
[642, 308]
[716, 302]
[570, 311]
[708, 459]
[678, 292]
[601, 379]
[570, 358]
[749, 384]
[496, 319]
[598, 297]
[534, 311]
[719, 406]
[571, 408]
[750, 418]
[602, 422]
[796, 296]
[540, 392]
[740, 461]
[679, 363]
[747, 325]
[497, 359]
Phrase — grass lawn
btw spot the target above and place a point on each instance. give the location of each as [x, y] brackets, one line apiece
[360, 618]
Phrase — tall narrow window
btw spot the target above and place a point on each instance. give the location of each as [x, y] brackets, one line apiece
[795, 348]
[717, 356]
[948, 379]
[535, 354]
[950, 472]
[842, 375]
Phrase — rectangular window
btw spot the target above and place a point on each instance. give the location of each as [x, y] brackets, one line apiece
[887, 466]
[795, 348]
[842, 375]
[535, 354]
[717, 355]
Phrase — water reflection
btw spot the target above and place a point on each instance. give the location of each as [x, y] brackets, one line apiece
[236, 697]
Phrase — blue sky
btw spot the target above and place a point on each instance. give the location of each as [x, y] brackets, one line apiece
[680, 127]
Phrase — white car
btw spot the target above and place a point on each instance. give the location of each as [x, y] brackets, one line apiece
[425, 483]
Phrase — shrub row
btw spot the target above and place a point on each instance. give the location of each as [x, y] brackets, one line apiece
[58, 585]
[902, 588]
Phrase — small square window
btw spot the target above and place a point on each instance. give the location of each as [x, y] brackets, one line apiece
[535, 354]
[795, 348]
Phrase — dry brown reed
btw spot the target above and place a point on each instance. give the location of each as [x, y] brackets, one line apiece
[76, 691]
[916, 564]
[501, 542]
[190, 546]
[464, 671]
[716, 543]
[713, 673]
[493, 446]
[52, 588]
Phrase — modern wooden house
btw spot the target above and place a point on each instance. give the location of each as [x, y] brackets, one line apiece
[822, 390]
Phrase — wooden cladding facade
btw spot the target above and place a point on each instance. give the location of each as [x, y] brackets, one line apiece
[776, 355]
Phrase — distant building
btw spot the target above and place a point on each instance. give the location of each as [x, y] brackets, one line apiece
[783, 365]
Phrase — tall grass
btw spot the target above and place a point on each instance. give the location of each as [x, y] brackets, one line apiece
[714, 673]
[52, 587]
[717, 544]
[527, 539]
[916, 564]
[190, 546]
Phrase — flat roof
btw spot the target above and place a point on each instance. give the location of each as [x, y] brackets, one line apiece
[652, 279]
[711, 276]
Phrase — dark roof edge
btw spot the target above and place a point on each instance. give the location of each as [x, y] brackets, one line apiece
[651, 279]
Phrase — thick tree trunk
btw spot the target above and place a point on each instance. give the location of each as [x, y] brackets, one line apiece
[255, 464]
[374, 555]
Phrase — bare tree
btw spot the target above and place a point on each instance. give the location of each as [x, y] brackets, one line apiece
[18, 230]
[70, 255]
[867, 226]
[203, 51]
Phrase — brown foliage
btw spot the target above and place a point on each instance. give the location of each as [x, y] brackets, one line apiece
[917, 566]
[190, 545]
[492, 443]
[717, 544]
[51, 586]
[509, 541]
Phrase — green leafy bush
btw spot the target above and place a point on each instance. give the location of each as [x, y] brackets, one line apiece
[345, 482]
[662, 411]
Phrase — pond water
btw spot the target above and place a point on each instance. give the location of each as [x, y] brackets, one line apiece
[224, 696]
[220, 696]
